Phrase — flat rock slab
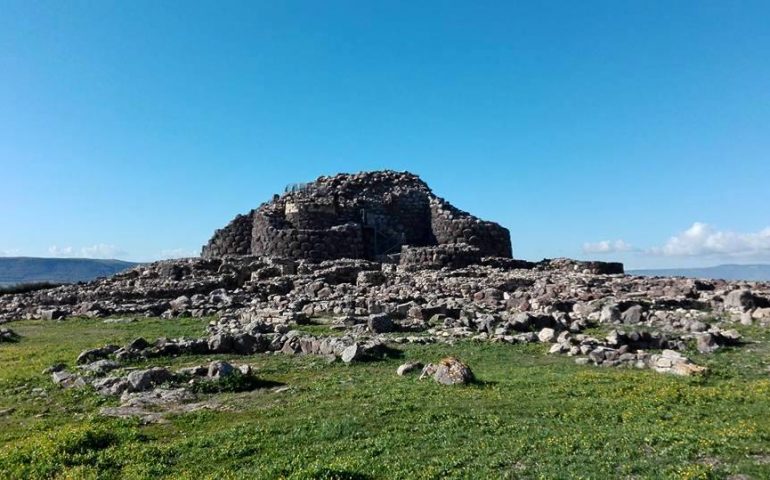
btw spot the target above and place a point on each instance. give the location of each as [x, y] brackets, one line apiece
[154, 406]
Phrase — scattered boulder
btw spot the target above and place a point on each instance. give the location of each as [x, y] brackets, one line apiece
[449, 371]
[547, 335]
[219, 370]
[141, 380]
[92, 355]
[675, 363]
[705, 343]
[100, 367]
[66, 379]
[380, 323]
[352, 354]
[610, 314]
[741, 299]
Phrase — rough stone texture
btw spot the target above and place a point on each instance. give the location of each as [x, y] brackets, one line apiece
[449, 371]
[673, 362]
[365, 215]
[454, 256]
[380, 323]
[234, 239]
[408, 367]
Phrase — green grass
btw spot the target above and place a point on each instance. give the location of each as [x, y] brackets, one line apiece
[530, 416]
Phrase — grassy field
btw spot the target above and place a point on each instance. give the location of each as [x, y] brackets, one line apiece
[530, 416]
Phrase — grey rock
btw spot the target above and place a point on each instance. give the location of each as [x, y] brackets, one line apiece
[632, 315]
[741, 299]
[68, 380]
[141, 380]
[451, 371]
[546, 335]
[610, 314]
[380, 323]
[100, 367]
[221, 343]
[94, 354]
[220, 369]
[408, 367]
[352, 354]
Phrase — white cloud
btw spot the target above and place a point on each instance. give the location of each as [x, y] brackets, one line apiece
[57, 251]
[702, 239]
[100, 250]
[11, 252]
[178, 253]
[607, 246]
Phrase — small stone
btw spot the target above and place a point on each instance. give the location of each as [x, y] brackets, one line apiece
[556, 348]
[220, 369]
[351, 353]
[408, 368]
[546, 335]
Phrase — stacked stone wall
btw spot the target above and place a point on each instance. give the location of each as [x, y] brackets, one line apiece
[451, 225]
[342, 241]
[457, 255]
[233, 239]
[366, 215]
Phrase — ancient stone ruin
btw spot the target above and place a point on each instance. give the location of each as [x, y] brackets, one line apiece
[362, 216]
[379, 261]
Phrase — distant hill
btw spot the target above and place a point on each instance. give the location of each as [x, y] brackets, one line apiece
[14, 270]
[724, 272]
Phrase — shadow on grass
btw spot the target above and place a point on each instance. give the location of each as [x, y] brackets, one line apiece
[482, 383]
[234, 383]
[333, 474]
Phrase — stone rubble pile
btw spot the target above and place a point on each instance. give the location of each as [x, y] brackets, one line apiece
[256, 302]
[149, 393]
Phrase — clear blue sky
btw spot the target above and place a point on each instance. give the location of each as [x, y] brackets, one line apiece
[637, 131]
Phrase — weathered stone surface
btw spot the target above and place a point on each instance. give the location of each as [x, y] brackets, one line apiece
[380, 323]
[352, 353]
[363, 215]
[449, 371]
[632, 315]
[547, 335]
[408, 367]
[705, 343]
[142, 380]
[68, 380]
[610, 314]
[741, 299]
[675, 363]
[220, 343]
[220, 369]
[92, 355]
[100, 367]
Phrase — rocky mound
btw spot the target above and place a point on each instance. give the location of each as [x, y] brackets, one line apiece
[365, 216]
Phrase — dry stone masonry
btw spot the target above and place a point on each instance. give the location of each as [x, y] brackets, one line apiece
[380, 261]
[366, 216]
